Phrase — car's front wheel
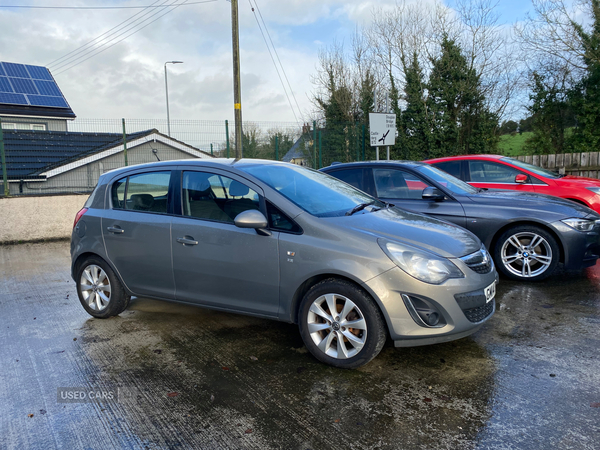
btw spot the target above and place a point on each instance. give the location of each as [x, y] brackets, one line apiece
[100, 291]
[526, 252]
[341, 325]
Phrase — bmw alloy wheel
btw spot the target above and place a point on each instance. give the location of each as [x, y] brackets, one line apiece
[526, 254]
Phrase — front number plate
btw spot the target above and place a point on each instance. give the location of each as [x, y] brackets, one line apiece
[490, 292]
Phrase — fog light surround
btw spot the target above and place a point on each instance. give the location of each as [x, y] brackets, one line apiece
[423, 313]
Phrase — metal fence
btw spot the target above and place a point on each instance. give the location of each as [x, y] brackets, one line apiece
[67, 157]
[41, 157]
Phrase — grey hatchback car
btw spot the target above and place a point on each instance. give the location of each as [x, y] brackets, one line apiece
[284, 242]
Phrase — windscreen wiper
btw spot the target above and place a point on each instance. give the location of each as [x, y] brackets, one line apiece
[358, 208]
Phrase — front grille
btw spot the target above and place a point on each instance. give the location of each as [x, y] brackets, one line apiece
[481, 312]
[479, 262]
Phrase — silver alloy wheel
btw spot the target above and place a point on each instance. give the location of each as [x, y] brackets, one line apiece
[337, 326]
[526, 254]
[95, 287]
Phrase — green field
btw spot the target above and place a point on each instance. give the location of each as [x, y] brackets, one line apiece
[513, 145]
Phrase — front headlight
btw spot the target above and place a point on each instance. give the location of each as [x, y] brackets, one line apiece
[419, 263]
[595, 190]
[580, 224]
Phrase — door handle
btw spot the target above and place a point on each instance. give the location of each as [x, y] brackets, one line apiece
[187, 241]
[116, 230]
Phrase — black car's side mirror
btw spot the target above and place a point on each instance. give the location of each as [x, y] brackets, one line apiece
[432, 193]
[252, 219]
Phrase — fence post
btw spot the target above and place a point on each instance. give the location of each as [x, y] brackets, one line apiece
[320, 153]
[363, 136]
[314, 142]
[124, 143]
[356, 140]
[227, 135]
[211, 150]
[3, 160]
[276, 147]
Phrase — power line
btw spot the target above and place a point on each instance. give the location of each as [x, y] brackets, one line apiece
[276, 54]
[94, 7]
[80, 49]
[93, 53]
[274, 63]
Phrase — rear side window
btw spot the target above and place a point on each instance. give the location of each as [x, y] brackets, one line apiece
[451, 167]
[144, 192]
[354, 177]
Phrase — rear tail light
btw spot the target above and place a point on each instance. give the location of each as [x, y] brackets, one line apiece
[79, 216]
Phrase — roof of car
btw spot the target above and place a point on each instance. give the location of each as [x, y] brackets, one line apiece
[450, 158]
[194, 162]
[380, 162]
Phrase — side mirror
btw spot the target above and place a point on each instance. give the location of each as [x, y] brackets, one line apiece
[252, 219]
[521, 178]
[432, 193]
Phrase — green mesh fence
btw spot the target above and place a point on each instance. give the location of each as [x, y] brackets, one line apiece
[56, 156]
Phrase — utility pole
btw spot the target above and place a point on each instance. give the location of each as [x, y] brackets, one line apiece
[237, 88]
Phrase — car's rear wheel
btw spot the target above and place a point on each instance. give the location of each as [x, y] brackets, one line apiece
[526, 252]
[100, 291]
[341, 325]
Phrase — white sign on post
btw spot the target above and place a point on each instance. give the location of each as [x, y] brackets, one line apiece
[382, 128]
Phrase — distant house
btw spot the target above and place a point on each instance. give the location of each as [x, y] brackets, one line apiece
[50, 162]
[299, 151]
[30, 99]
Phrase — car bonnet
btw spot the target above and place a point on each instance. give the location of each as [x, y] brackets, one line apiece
[437, 236]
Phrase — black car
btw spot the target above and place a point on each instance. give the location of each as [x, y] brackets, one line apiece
[527, 234]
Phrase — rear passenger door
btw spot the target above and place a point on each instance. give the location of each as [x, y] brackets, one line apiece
[216, 263]
[137, 230]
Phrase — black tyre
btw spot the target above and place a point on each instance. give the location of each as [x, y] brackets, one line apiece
[527, 253]
[100, 291]
[341, 325]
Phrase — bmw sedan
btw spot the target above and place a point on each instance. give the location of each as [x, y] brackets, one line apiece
[527, 234]
[283, 242]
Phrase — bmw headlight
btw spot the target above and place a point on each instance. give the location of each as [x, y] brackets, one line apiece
[580, 224]
[595, 190]
[419, 263]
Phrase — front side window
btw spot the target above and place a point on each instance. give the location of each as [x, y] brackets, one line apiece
[487, 172]
[144, 192]
[392, 183]
[211, 196]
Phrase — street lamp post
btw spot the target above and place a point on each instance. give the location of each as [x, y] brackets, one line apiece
[167, 94]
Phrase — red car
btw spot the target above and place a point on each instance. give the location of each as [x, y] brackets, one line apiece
[501, 172]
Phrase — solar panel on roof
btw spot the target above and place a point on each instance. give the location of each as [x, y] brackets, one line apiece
[47, 88]
[46, 100]
[23, 86]
[13, 99]
[29, 85]
[16, 70]
[5, 85]
[39, 73]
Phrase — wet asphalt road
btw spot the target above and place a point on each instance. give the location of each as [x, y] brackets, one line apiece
[193, 378]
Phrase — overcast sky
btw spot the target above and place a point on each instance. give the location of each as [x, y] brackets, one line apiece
[127, 79]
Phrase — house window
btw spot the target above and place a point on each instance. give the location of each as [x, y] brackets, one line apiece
[23, 126]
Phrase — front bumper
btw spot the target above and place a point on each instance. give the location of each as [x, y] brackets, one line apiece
[460, 303]
[581, 249]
